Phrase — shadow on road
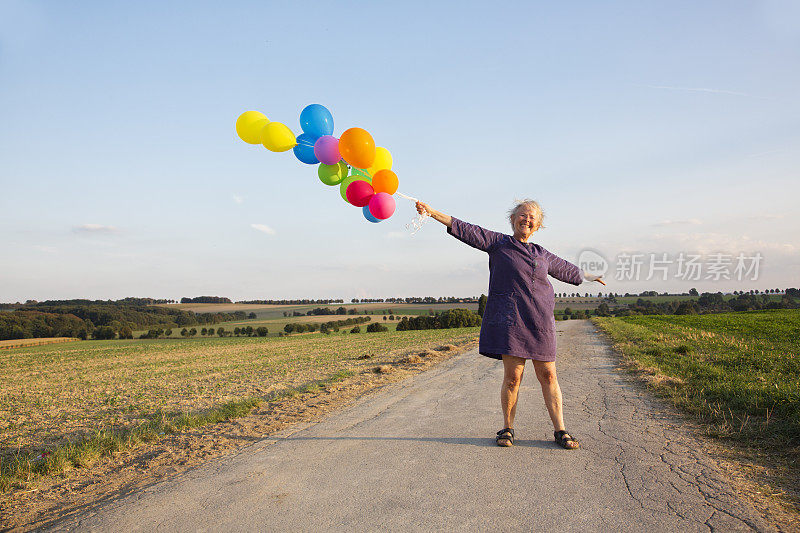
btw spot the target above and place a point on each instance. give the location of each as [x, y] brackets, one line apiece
[468, 441]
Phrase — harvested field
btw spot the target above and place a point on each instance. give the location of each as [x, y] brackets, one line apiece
[77, 410]
[21, 343]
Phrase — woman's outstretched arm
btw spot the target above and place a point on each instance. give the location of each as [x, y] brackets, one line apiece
[475, 236]
[447, 220]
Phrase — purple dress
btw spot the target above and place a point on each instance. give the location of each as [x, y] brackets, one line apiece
[518, 319]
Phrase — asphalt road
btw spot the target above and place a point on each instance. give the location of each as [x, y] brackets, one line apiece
[420, 456]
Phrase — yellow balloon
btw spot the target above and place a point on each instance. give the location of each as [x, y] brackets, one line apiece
[277, 137]
[383, 159]
[249, 126]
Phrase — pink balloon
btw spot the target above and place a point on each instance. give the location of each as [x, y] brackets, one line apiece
[381, 205]
[359, 193]
[326, 149]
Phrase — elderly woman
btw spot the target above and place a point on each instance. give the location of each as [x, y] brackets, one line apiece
[518, 322]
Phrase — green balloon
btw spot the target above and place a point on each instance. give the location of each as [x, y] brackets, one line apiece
[360, 172]
[348, 180]
[332, 174]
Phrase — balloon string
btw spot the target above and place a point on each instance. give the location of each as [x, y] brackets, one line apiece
[417, 222]
[406, 197]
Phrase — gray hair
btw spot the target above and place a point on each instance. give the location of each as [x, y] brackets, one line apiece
[527, 202]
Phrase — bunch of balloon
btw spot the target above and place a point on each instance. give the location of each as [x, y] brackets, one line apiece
[353, 162]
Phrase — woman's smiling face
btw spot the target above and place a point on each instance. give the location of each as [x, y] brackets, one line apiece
[526, 220]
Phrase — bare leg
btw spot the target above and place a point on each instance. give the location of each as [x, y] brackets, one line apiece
[546, 374]
[513, 369]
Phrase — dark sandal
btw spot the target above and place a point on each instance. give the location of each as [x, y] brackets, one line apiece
[565, 440]
[505, 437]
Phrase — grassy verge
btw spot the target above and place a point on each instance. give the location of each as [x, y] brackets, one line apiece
[738, 373]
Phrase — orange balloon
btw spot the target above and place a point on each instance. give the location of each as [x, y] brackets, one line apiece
[385, 181]
[357, 147]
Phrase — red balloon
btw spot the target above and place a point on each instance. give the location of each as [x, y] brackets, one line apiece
[359, 192]
[381, 205]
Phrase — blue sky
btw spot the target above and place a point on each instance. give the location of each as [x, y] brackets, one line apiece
[641, 128]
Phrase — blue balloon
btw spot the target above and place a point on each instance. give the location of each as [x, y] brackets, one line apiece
[316, 120]
[368, 215]
[304, 151]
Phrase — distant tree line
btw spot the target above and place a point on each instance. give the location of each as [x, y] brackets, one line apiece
[417, 300]
[650, 294]
[706, 303]
[247, 331]
[325, 327]
[81, 318]
[36, 324]
[452, 318]
[329, 311]
[290, 302]
[206, 300]
[337, 311]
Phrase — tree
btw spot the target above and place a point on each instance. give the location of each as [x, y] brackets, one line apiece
[376, 327]
[211, 331]
[356, 329]
[168, 333]
[288, 328]
[237, 331]
[251, 316]
[125, 333]
[184, 332]
[193, 332]
[221, 331]
[384, 317]
[203, 331]
[104, 333]
[482, 305]
[693, 292]
[262, 331]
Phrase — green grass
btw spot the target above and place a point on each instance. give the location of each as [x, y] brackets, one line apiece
[739, 372]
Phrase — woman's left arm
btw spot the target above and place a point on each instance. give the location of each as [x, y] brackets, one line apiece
[567, 272]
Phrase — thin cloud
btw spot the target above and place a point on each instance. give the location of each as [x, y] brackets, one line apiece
[94, 228]
[720, 242]
[700, 90]
[45, 249]
[765, 217]
[768, 152]
[238, 199]
[686, 222]
[263, 228]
